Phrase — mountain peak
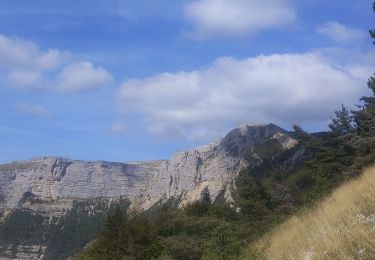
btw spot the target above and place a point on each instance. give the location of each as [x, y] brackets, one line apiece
[249, 126]
[240, 140]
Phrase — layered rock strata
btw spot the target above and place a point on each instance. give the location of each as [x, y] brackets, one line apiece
[211, 168]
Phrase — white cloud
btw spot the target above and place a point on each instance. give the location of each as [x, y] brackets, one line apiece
[283, 89]
[119, 128]
[237, 17]
[32, 109]
[16, 53]
[26, 78]
[81, 76]
[341, 33]
[26, 65]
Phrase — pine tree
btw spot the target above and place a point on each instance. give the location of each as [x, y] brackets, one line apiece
[343, 122]
[365, 117]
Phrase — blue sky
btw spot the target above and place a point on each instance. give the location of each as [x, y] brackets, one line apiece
[124, 80]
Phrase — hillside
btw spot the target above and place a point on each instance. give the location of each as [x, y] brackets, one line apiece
[264, 195]
[340, 227]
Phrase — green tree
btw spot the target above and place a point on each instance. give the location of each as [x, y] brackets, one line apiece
[126, 237]
[302, 134]
[223, 244]
[364, 118]
[342, 123]
[251, 197]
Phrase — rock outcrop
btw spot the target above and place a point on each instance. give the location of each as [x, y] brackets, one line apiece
[211, 167]
[58, 178]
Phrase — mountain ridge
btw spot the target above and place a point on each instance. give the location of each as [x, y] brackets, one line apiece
[212, 166]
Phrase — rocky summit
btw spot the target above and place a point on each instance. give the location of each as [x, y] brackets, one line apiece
[211, 168]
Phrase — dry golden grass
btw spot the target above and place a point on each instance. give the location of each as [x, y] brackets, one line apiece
[341, 227]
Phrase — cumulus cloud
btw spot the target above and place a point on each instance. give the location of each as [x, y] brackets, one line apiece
[341, 33]
[32, 109]
[26, 78]
[26, 65]
[280, 88]
[81, 76]
[237, 17]
[16, 53]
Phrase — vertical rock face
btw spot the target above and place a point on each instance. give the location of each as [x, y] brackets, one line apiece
[59, 178]
[211, 168]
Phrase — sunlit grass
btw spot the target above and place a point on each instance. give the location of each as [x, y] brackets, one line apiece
[340, 227]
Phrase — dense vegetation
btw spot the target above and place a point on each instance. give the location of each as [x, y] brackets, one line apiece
[63, 236]
[82, 224]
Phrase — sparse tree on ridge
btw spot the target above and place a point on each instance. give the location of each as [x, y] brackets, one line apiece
[342, 123]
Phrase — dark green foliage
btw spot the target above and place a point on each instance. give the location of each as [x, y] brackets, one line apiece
[168, 234]
[183, 247]
[342, 123]
[133, 238]
[251, 197]
[223, 244]
[24, 227]
[81, 225]
[64, 236]
[364, 118]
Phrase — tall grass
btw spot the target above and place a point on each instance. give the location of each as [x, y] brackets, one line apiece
[340, 227]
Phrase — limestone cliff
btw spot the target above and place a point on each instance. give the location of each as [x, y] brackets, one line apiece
[211, 168]
[58, 178]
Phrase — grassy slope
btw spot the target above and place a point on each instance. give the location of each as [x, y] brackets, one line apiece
[340, 227]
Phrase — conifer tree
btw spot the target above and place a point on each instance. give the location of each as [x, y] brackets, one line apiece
[342, 123]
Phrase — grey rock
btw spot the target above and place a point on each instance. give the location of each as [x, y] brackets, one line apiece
[211, 167]
[58, 178]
